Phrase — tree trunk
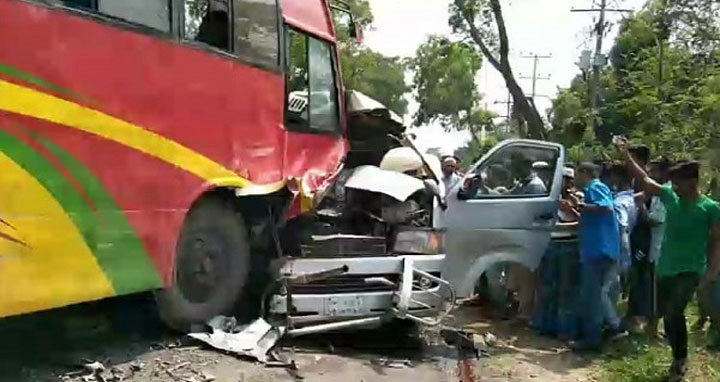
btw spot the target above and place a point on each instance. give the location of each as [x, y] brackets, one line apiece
[535, 124]
[475, 138]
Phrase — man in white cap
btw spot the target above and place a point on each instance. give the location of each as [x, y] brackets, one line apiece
[568, 191]
[525, 172]
[449, 169]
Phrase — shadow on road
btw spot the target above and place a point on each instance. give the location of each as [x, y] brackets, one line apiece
[42, 346]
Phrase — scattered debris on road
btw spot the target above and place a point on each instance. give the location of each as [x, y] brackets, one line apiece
[254, 340]
[94, 367]
[392, 363]
[136, 366]
[95, 371]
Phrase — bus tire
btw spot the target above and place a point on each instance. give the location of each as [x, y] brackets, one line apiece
[212, 258]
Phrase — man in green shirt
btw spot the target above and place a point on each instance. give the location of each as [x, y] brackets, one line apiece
[690, 251]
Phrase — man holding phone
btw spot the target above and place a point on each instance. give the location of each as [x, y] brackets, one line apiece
[691, 243]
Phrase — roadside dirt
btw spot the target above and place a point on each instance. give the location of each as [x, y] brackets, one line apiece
[125, 336]
[521, 355]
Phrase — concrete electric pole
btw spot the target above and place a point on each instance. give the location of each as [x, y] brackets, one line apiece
[599, 59]
[508, 105]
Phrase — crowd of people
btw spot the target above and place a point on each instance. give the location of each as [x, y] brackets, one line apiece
[640, 229]
[647, 232]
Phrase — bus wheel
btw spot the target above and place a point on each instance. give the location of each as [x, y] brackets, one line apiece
[211, 266]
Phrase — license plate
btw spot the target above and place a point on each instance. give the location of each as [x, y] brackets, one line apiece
[339, 306]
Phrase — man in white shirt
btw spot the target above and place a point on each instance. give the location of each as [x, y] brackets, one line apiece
[627, 214]
[528, 181]
[656, 212]
[449, 169]
[626, 210]
[654, 215]
[569, 191]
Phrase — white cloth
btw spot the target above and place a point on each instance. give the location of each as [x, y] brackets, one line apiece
[565, 217]
[625, 250]
[392, 183]
[656, 215]
[450, 182]
[532, 185]
[626, 209]
[627, 214]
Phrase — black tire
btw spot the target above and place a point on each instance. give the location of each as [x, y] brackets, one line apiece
[212, 258]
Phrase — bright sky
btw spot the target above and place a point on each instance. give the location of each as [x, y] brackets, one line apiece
[542, 27]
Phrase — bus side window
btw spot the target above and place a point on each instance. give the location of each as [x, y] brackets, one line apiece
[151, 13]
[207, 21]
[256, 31]
[82, 4]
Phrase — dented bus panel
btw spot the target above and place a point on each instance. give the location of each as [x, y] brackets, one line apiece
[116, 119]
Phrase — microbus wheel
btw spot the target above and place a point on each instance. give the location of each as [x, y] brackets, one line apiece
[212, 259]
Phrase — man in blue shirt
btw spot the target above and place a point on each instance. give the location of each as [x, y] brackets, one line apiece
[599, 252]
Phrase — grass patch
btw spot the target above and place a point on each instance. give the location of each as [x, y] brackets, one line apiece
[634, 359]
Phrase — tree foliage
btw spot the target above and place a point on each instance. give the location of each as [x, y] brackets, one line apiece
[446, 91]
[445, 86]
[375, 75]
[663, 85]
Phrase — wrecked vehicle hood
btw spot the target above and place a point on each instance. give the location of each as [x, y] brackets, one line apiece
[391, 183]
[373, 130]
[359, 104]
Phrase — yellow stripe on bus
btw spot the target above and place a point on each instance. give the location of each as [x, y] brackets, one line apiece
[55, 267]
[22, 100]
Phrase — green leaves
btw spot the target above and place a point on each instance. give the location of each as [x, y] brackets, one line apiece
[663, 88]
[375, 75]
[445, 84]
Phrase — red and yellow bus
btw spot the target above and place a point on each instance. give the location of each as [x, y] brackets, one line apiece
[153, 144]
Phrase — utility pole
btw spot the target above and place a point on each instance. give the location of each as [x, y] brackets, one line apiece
[599, 59]
[508, 104]
[535, 76]
[598, 63]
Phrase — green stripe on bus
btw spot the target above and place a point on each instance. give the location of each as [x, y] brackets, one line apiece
[124, 261]
[37, 81]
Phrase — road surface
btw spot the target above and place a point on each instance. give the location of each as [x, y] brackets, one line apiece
[126, 337]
